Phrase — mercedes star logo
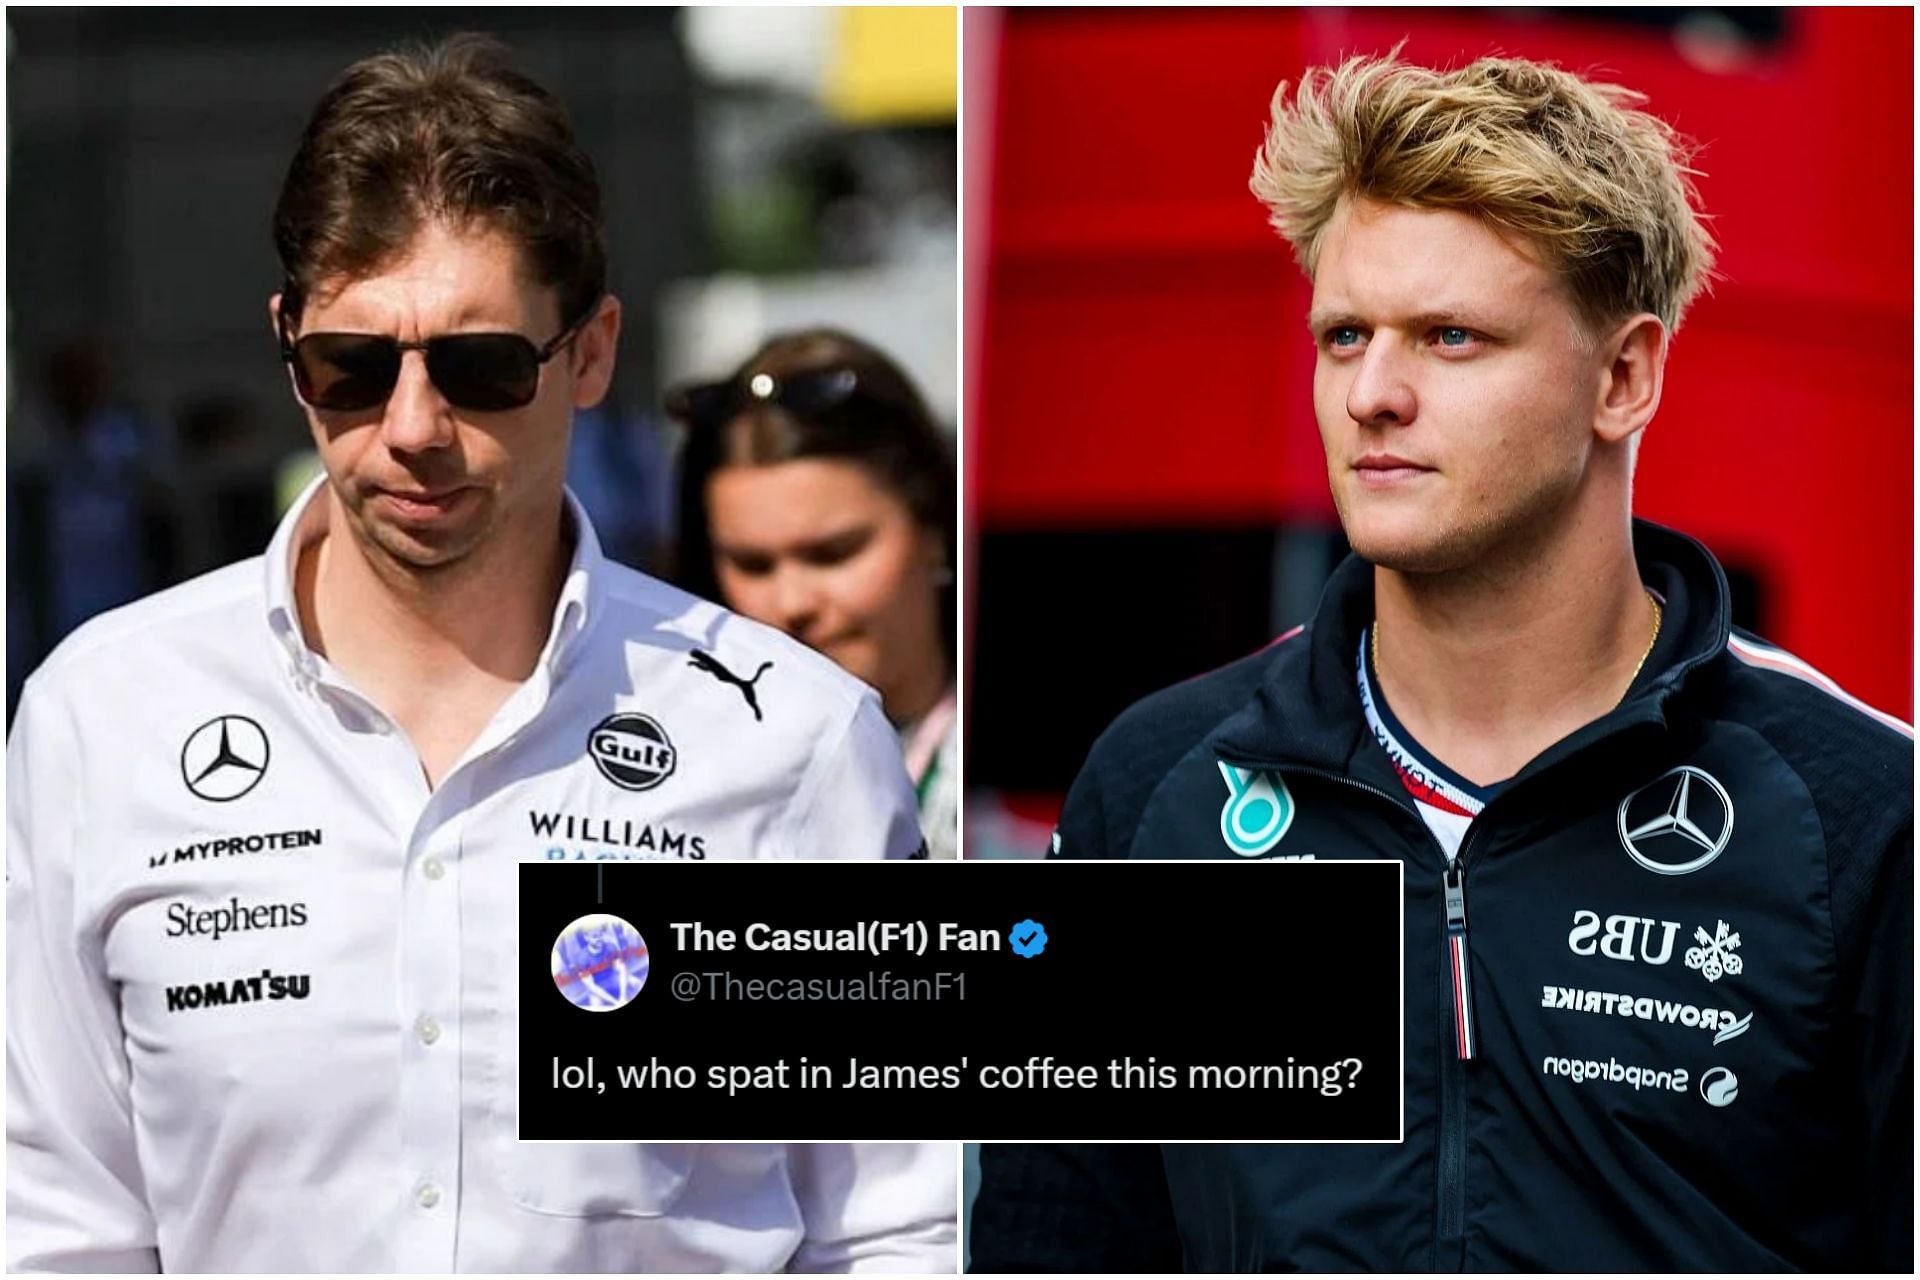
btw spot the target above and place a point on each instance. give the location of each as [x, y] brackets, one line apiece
[224, 758]
[1677, 823]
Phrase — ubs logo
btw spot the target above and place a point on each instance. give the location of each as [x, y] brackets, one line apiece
[632, 750]
[224, 758]
[1619, 937]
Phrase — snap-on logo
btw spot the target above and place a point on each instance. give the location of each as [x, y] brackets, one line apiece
[632, 750]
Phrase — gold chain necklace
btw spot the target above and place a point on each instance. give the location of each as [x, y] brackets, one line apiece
[1374, 639]
[1651, 641]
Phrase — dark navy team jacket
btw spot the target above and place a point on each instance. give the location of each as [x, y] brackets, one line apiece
[1678, 947]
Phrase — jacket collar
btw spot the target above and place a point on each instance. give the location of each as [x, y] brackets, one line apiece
[1306, 712]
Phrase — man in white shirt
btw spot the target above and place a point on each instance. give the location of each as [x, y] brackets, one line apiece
[263, 829]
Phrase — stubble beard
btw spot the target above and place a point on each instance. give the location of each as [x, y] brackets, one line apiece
[1480, 535]
[399, 555]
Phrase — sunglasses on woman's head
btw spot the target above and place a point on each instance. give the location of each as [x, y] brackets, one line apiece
[479, 372]
[713, 404]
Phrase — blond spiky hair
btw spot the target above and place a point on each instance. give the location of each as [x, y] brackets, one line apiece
[1601, 187]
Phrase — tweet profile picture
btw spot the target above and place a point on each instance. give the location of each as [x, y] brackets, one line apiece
[600, 962]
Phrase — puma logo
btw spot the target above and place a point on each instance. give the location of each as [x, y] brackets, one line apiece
[712, 666]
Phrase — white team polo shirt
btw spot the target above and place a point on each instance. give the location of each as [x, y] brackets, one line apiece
[262, 1000]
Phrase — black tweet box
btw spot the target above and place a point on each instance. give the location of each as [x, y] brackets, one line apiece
[1184, 1001]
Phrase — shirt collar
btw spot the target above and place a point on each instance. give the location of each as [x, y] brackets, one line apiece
[580, 594]
[306, 522]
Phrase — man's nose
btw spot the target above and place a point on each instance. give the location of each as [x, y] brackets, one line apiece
[1381, 393]
[418, 417]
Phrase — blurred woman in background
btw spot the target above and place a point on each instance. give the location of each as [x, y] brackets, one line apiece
[817, 495]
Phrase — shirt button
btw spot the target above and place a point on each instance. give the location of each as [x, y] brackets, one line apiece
[427, 1195]
[428, 1030]
[433, 868]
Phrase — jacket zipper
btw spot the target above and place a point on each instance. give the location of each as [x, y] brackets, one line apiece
[1455, 883]
[1453, 1076]
[1451, 1219]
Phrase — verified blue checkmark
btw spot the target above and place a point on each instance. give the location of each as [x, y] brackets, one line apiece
[1029, 938]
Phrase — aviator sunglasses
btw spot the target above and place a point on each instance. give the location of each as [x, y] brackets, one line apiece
[479, 372]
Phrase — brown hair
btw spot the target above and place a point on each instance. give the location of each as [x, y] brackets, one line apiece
[443, 132]
[887, 429]
[1575, 167]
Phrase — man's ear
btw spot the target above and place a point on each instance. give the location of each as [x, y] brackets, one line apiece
[273, 323]
[594, 353]
[1634, 355]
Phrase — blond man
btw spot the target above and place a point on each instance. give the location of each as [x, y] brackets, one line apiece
[1658, 872]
